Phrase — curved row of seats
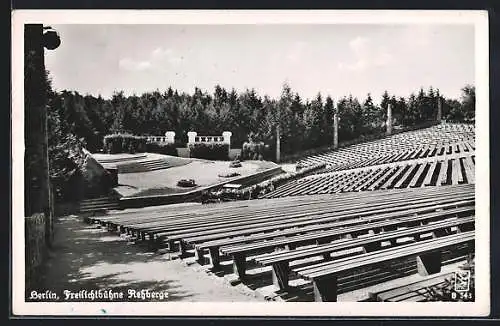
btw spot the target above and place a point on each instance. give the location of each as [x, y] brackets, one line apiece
[428, 142]
[142, 164]
[451, 171]
[419, 152]
[409, 220]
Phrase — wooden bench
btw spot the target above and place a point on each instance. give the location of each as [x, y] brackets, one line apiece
[280, 261]
[427, 253]
[241, 251]
[284, 220]
[223, 212]
[329, 221]
[414, 292]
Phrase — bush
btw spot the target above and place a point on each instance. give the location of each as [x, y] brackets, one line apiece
[186, 183]
[124, 143]
[209, 151]
[264, 187]
[235, 164]
[254, 151]
[229, 175]
[161, 148]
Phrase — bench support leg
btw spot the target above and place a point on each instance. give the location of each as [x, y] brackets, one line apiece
[239, 265]
[214, 257]
[372, 247]
[153, 244]
[322, 241]
[325, 289]
[182, 249]
[389, 228]
[281, 272]
[171, 245]
[466, 227]
[199, 256]
[429, 263]
[439, 233]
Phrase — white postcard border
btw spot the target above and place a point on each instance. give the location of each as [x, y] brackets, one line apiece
[478, 18]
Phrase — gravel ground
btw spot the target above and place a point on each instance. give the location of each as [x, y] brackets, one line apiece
[203, 172]
[86, 257]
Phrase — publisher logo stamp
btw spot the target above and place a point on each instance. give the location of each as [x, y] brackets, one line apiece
[462, 281]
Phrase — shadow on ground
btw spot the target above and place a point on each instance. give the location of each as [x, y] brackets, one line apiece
[86, 257]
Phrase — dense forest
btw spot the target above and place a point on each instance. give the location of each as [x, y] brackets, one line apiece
[304, 124]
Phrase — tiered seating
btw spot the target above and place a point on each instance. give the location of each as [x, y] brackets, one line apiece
[330, 224]
[420, 152]
[143, 166]
[118, 158]
[134, 163]
[416, 214]
[408, 174]
[326, 276]
[99, 204]
[422, 143]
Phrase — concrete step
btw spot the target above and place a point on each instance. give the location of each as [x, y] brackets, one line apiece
[102, 203]
[144, 166]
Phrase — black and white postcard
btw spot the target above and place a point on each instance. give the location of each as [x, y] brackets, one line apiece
[250, 163]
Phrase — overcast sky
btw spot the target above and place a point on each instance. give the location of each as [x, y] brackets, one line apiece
[335, 60]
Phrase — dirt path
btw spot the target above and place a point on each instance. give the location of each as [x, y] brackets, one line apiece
[86, 257]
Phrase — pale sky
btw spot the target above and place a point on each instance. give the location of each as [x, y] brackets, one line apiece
[334, 59]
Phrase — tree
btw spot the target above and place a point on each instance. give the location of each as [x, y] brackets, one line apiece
[118, 105]
[401, 109]
[371, 115]
[313, 121]
[468, 102]
[329, 113]
[66, 156]
[383, 106]
[421, 102]
[452, 110]
[351, 118]
[282, 119]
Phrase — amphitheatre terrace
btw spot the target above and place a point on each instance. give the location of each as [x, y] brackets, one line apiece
[385, 220]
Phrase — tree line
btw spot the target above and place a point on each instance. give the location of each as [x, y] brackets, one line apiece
[303, 124]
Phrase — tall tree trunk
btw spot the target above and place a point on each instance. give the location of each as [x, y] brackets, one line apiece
[37, 181]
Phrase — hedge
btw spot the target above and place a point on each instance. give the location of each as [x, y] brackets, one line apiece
[159, 148]
[124, 143]
[209, 151]
[254, 151]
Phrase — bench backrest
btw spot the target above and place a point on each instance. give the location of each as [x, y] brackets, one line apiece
[273, 258]
[385, 255]
[339, 232]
